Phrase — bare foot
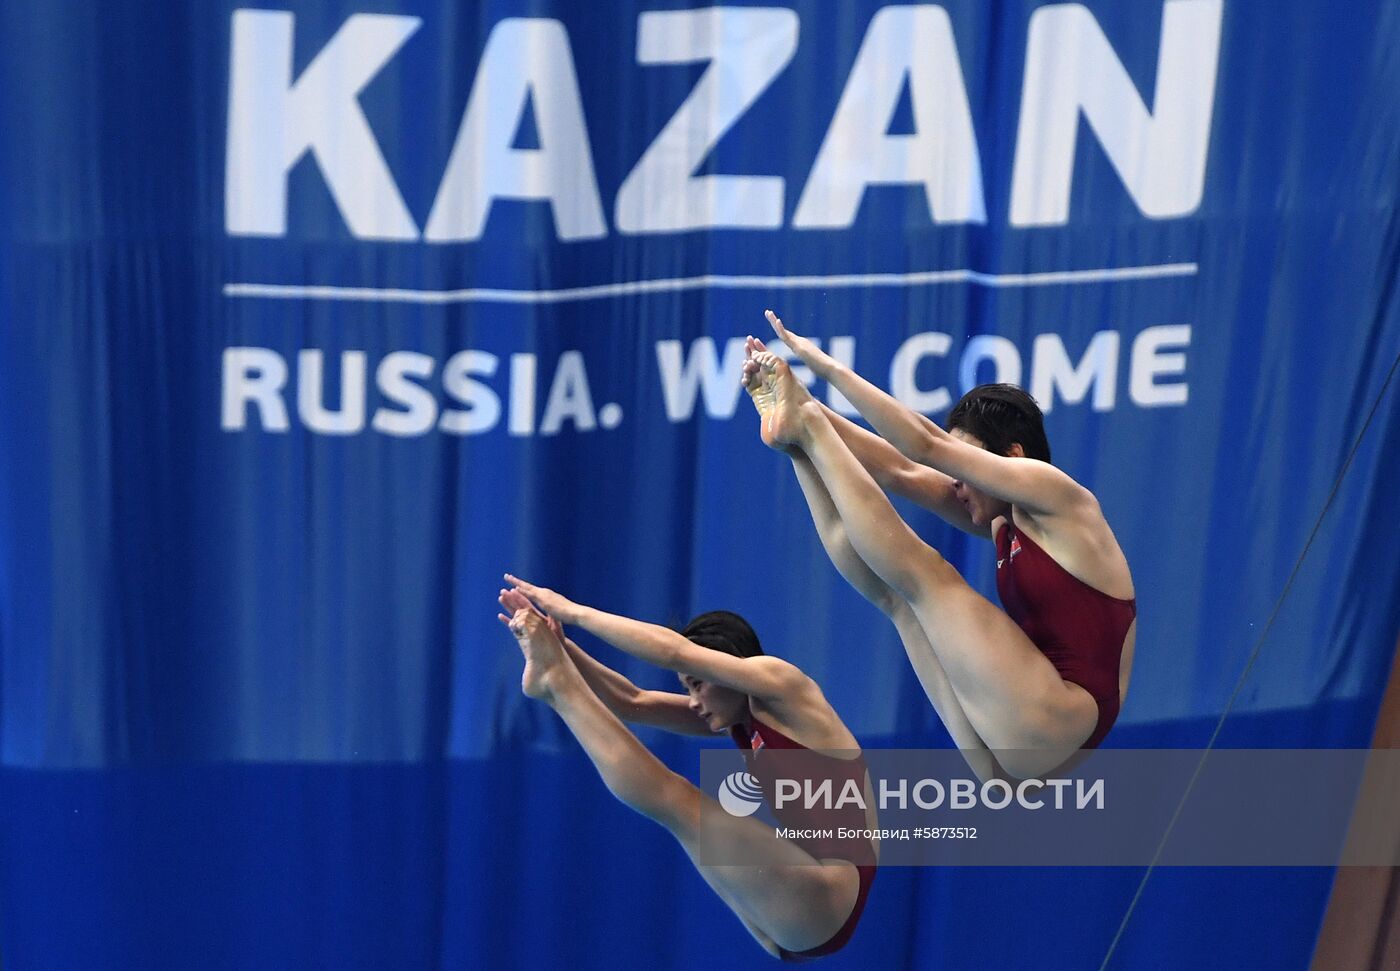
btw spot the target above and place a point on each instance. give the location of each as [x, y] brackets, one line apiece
[544, 655]
[778, 396]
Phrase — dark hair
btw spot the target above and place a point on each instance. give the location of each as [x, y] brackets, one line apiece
[1002, 415]
[721, 630]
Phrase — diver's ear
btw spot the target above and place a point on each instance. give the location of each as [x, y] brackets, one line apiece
[1016, 451]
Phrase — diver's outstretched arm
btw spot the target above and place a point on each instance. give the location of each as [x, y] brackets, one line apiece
[1036, 486]
[897, 473]
[640, 706]
[661, 709]
[765, 677]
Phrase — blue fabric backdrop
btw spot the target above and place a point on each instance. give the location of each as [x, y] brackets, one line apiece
[280, 402]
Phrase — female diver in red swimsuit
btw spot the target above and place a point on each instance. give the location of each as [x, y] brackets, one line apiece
[800, 898]
[1027, 687]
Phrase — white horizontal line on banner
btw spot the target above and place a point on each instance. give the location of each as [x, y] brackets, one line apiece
[282, 291]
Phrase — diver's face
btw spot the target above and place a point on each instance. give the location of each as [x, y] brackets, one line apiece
[718, 706]
[981, 507]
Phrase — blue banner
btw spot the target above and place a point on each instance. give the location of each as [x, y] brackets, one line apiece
[317, 317]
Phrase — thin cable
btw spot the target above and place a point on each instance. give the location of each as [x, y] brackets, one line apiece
[1249, 664]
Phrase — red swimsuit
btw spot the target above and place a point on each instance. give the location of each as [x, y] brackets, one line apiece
[1080, 629]
[860, 852]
